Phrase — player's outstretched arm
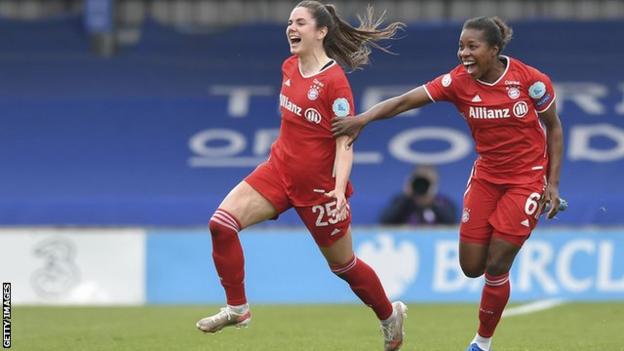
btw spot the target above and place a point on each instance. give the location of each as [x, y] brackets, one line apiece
[391, 107]
[554, 135]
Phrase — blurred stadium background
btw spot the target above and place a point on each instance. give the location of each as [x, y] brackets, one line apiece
[124, 123]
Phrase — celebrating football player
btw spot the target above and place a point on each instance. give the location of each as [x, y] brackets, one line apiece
[506, 104]
[307, 169]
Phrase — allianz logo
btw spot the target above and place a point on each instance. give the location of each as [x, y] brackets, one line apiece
[289, 105]
[487, 113]
[520, 109]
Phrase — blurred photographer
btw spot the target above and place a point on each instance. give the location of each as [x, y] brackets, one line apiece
[420, 203]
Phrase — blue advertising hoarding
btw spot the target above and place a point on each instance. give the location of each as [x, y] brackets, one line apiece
[285, 266]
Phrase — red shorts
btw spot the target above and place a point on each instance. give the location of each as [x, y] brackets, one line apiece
[325, 229]
[509, 212]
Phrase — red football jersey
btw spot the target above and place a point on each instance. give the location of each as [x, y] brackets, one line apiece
[305, 149]
[503, 119]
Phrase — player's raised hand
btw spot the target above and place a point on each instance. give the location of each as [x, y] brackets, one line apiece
[348, 126]
[551, 196]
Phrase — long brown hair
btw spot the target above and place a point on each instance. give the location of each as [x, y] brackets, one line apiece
[348, 45]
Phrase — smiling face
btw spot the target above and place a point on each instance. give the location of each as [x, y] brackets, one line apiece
[303, 35]
[477, 56]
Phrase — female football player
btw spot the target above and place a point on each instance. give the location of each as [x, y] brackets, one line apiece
[307, 169]
[506, 103]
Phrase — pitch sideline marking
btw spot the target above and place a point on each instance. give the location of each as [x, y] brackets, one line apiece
[533, 307]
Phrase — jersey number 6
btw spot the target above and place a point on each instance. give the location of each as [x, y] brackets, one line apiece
[532, 205]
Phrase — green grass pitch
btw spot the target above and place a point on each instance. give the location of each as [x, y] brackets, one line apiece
[577, 326]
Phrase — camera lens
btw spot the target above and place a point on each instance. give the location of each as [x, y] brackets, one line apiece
[420, 185]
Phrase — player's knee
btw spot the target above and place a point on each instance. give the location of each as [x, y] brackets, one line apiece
[472, 272]
[472, 268]
[343, 267]
[496, 267]
[214, 227]
[222, 223]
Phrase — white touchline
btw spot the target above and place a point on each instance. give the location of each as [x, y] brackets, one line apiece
[532, 307]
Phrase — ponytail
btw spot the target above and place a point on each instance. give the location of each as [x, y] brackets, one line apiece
[348, 45]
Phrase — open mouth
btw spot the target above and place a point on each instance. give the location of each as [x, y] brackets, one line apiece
[294, 40]
[470, 66]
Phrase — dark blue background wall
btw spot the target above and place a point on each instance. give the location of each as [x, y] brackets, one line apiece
[158, 134]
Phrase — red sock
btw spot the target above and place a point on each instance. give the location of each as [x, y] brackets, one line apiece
[493, 301]
[366, 285]
[227, 254]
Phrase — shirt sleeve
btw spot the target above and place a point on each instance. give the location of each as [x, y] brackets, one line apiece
[441, 88]
[540, 90]
[341, 99]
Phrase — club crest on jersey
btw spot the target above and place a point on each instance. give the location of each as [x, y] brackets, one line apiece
[341, 107]
[537, 90]
[446, 80]
[312, 115]
[313, 93]
[315, 89]
[466, 215]
[520, 109]
[513, 93]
